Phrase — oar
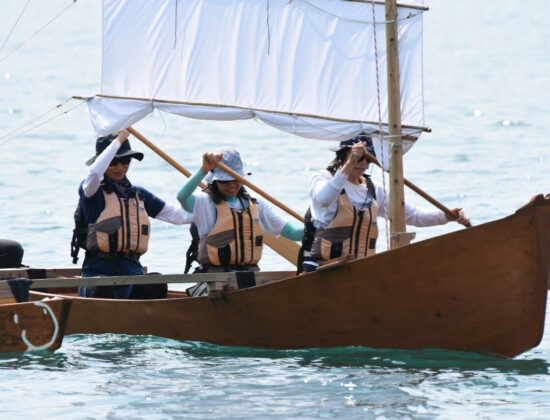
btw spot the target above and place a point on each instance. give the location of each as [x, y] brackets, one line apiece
[244, 181]
[422, 193]
[284, 247]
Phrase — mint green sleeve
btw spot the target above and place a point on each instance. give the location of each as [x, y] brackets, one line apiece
[292, 231]
[185, 195]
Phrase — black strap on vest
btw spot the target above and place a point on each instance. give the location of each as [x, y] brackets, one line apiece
[307, 241]
[80, 232]
[193, 250]
[132, 256]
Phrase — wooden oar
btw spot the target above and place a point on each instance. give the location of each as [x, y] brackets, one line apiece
[422, 193]
[284, 247]
[244, 181]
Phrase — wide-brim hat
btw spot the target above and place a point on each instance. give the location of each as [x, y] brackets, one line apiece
[363, 137]
[230, 158]
[124, 149]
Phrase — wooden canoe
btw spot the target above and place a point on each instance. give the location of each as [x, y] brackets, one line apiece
[38, 325]
[482, 289]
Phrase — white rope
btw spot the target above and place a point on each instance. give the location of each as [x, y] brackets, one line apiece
[38, 31]
[164, 126]
[175, 25]
[380, 120]
[372, 22]
[268, 28]
[12, 135]
[14, 25]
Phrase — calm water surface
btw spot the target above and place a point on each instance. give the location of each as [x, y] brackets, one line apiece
[487, 67]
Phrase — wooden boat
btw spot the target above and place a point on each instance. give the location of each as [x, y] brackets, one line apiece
[38, 325]
[482, 289]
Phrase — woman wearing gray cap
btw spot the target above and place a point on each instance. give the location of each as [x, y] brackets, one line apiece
[344, 205]
[116, 214]
[230, 223]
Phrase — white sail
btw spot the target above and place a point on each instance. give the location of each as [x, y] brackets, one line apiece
[308, 67]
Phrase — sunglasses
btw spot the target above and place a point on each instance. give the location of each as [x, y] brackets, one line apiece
[124, 160]
[227, 182]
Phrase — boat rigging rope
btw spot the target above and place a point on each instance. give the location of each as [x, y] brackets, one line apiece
[14, 25]
[14, 134]
[373, 22]
[268, 29]
[175, 25]
[380, 120]
[37, 32]
[164, 126]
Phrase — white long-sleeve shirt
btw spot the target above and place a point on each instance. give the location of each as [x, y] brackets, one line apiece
[325, 188]
[171, 213]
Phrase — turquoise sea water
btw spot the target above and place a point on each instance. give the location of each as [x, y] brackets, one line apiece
[487, 96]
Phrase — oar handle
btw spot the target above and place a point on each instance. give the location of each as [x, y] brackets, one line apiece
[159, 152]
[244, 181]
[450, 215]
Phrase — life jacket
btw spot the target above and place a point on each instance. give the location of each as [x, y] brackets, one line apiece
[122, 227]
[235, 239]
[352, 231]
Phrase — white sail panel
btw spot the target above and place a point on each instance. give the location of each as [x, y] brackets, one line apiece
[304, 66]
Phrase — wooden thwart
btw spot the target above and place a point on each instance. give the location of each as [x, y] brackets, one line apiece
[220, 278]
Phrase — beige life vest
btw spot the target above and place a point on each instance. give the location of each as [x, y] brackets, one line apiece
[235, 239]
[122, 226]
[352, 232]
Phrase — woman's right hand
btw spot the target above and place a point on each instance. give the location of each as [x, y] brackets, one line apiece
[210, 160]
[357, 152]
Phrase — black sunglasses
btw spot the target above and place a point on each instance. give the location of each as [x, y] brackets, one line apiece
[124, 160]
[227, 182]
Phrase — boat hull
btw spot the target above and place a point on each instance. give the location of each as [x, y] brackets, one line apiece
[38, 325]
[479, 289]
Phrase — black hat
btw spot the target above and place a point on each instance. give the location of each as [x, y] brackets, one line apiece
[357, 139]
[124, 150]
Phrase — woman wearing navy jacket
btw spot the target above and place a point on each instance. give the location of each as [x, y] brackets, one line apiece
[117, 218]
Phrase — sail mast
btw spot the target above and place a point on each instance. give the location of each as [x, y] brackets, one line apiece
[397, 190]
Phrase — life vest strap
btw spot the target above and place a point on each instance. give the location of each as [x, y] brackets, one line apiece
[131, 256]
